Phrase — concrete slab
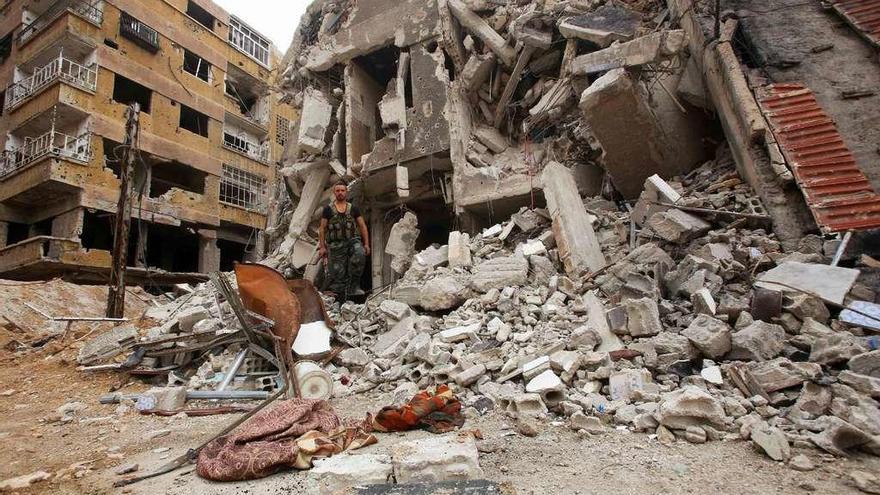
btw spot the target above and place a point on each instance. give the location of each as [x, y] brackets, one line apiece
[829, 282]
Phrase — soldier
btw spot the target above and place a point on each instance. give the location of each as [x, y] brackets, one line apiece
[343, 244]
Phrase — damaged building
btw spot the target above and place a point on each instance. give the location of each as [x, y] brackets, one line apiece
[452, 109]
[211, 129]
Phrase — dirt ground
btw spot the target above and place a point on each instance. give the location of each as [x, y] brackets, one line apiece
[83, 453]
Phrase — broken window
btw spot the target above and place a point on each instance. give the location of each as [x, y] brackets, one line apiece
[16, 233]
[201, 15]
[196, 65]
[112, 44]
[166, 176]
[5, 47]
[126, 91]
[242, 188]
[231, 252]
[193, 121]
[282, 130]
[142, 35]
[248, 41]
[97, 232]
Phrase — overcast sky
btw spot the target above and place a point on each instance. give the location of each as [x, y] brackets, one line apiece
[276, 19]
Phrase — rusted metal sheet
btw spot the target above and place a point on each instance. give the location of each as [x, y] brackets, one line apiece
[837, 192]
[863, 15]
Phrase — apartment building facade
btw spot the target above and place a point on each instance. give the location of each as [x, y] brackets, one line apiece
[211, 131]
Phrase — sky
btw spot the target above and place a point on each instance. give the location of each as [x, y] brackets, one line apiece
[275, 19]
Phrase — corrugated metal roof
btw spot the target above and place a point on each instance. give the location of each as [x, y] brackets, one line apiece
[864, 15]
[837, 192]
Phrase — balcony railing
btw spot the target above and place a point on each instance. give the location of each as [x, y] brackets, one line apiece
[58, 69]
[88, 10]
[249, 42]
[247, 147]
[52, 143]
[135, 30]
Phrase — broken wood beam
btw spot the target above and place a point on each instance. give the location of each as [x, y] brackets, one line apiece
[512, 83]
[475, 24]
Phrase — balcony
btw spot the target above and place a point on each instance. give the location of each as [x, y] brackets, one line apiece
[88, 10]
[59, 69]
[52, 143]
[247, 41]
[138, 32]
[245, 145]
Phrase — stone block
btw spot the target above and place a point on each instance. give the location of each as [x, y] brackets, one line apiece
[458, 334]
[656, 190]
[438, 458]
[709, 335]
[500, 272]
[677, 226]
[459, 250]
[759, 341]
[643, 317]
[315, 121]
[441, 293]
[344, 471]
[689, 406]
[624, 383]
[402, 241]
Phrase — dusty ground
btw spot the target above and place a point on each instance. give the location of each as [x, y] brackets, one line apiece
[82, 453]
[557, 461]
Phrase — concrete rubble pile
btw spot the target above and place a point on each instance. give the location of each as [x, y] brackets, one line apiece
[679, 337]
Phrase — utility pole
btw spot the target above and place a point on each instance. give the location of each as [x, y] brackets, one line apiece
[116, 294]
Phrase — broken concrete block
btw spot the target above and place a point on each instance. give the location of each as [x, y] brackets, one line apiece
[532, 248]
[624, 383]
[500, 272]
[470, 376]
[354, 358]
[459, 250]
[640, 51]
[828, 282]
[602, 26]
[459, 334]
[476, 25]
[597, 322]
[865, 384]
[711, 336]
[689, 406]
[590, 424]
[490, 137]
[315, 120]
[759, 341]
[187, 318]
[394, 311]
[535, 367]
[643, 317]
[814, 400]
[344, 471]
[836, 348]
[678, 226]
[501, 330]
[841, 438]
[656, 190]
[312, 340]
[866, 364]
[24, 481]
[442, 293]
[167, 398]
[523, 405]
[703, 302]
[394, 341]
[439, 458]
[402, 242]
[772, 442]
[433, 257]
[576, 240]
[107, 345]
[477, 70]
[548, 386]
[804, 306]
[781, 373]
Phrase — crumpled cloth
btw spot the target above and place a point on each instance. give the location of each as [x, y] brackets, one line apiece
[289, 435]
[437, 412]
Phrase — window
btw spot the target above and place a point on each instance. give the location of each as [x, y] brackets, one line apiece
[112, 44]
[193, 121]
[241, 188]
[248, 41]
[126, 91]
[201, 15]
[142, 35]
[196, 65]
[168, 175]
[282, 130]
[5, 47]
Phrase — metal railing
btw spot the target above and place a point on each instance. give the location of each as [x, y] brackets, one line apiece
[246, 146]
[88, 10]
[58, 69]
[249, 42]
[135, 30]
[52, 143]
[243, 189]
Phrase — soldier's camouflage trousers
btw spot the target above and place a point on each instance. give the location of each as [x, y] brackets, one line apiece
[346, 261]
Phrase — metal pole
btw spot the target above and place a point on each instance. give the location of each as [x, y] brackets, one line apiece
[842, 248]
[116, 293]
[233, 369]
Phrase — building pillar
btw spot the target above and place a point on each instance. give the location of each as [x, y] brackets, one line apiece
[209, 253]
[4, 233]
[68, 225]
[377, 246]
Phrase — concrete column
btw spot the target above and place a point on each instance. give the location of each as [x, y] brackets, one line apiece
[68, 225]
[578, 246]
[377, 245]
[312, 191]
[4, 233]
[209, 253]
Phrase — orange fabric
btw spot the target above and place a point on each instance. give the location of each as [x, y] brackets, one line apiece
[437, 412]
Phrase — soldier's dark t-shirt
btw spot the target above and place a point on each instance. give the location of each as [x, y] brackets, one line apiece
[328, 212]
